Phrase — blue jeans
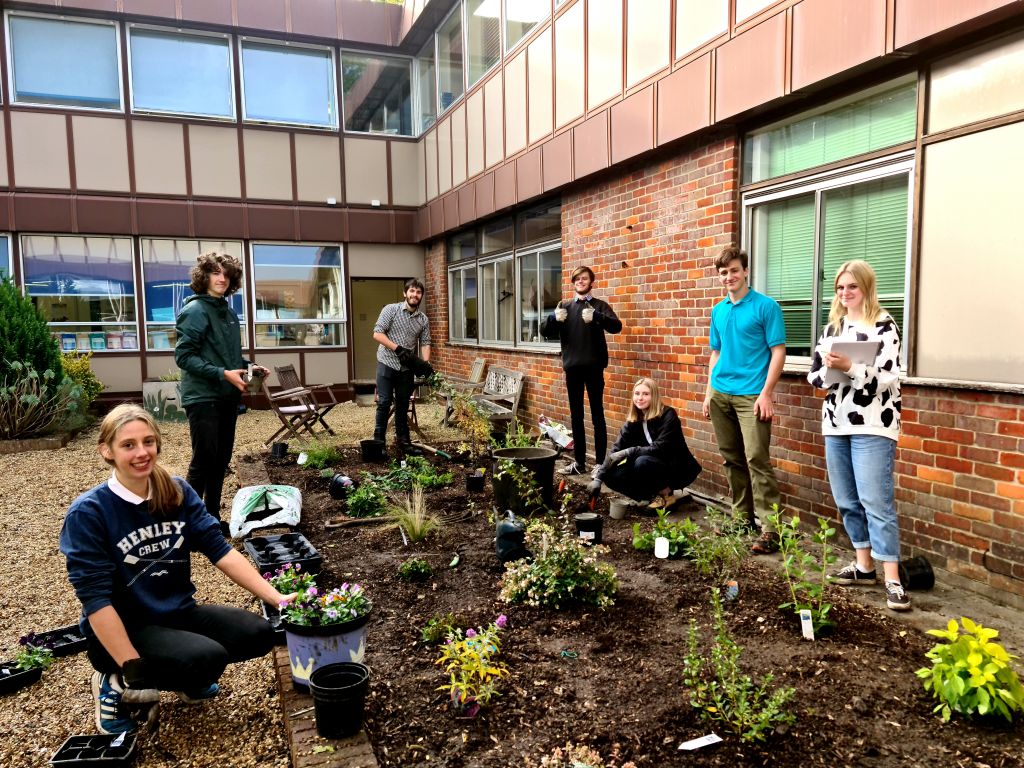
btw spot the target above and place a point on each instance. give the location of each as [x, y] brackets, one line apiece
[860, 470]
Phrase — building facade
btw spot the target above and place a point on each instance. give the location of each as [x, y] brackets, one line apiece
[491, 146]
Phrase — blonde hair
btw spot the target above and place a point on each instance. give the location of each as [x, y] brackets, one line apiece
[654, 410]
[166, 493]
[866, 281]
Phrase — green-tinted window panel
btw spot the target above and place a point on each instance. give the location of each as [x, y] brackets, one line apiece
[784, 247]
[867, 221]
[881, 120]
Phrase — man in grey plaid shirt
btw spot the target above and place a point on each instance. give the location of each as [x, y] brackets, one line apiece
[399, 329]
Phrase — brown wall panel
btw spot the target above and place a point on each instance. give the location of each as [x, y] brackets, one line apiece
[436, 217]
[319, 18]
[323, 225]
[109, 6]
[916, 19]
[104, 215]
[272, 222]
[831, 36]
[40, 144]
[5, 216]
[369, 226]
[557, 161]
[164, 8]
[159, 154]
[451, 210]
[750, 68]
[210, 11]
[684, 100]
[505, 186]
[42, 213]
[101, 153]
[268, 165]
[423, 223]
[633, 125]
[264, 14]
[485, 195]
[529, 182]
[467, 203]
[590, 145]
[370, 22]
[163, 217]
[405, 226]
[218, 220]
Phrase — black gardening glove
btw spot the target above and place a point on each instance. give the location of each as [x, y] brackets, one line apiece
[594, 489]
[617, 456]
[404, 355]
[139, 687]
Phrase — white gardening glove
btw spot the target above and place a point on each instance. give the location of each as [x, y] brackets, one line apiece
[561, 313]
[588, 315]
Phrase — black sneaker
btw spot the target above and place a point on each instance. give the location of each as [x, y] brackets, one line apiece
[573, 469]
[896, 597]
[408, 449]
[766, 544]
[851, 574]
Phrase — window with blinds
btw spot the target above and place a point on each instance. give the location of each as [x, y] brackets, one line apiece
[483, 36]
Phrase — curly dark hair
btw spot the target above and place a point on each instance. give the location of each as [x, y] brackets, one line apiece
[216, 261]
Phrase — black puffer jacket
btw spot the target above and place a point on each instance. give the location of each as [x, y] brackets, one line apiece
[209, 341]
[668, 444]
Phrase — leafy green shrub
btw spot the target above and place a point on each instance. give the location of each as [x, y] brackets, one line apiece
[438, 628]
[32, 403]
[78, 367]
[517, 436]
[415, 569]
[563, 571]
[366, 500]
[717, 548]
[417, 471]
[24, 337]
[679, 535]
[805, 575]
[720, 691]
[970, 674]
[320, 455]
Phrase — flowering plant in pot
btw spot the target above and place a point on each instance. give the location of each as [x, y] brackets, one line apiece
[321, 626]
[28, 665]
[469, 659]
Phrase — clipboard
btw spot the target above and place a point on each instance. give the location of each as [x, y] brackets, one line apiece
[863, 352]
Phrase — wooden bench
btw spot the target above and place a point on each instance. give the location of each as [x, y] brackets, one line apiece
[499, 397]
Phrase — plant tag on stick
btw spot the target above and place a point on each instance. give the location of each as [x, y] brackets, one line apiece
[806, 625]
[703, 741]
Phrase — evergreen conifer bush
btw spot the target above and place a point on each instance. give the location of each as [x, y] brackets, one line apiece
[25, 337]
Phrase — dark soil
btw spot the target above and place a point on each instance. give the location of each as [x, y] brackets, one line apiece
[857, 700]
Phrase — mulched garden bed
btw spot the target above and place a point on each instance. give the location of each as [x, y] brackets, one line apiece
[614, 677]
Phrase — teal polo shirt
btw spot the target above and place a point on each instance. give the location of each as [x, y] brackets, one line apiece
[743, 335]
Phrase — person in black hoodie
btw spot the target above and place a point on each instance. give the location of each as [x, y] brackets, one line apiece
[650, 458]
[209, 353]
[580, 324]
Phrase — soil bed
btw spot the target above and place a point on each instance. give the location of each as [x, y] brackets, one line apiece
[857, 700]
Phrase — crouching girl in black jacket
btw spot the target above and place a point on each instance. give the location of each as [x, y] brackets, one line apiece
[650, 458]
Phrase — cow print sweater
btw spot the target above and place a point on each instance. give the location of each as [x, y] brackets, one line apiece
[869, 403]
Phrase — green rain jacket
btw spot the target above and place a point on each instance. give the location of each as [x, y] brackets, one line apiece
[209, 342]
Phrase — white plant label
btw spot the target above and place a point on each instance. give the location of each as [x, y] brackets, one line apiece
[302, 459]
[806, 625]
[703, 741]
[587, 535]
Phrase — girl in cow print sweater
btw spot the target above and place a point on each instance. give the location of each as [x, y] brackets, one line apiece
[861, 424]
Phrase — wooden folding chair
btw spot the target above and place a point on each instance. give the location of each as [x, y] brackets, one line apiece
[296, 411]
[320, 395]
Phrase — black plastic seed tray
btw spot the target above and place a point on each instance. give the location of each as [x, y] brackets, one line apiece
[271, 552]
[12, 678]
[94, 752]
[64, 641]
[273, 615]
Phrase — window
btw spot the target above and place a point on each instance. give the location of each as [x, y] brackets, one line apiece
[483, 36]
[84, 287]
[449, 59]
[376, 94]
[880, 119]
[797, 238]
[5, 258]
[521, 16]
[462, 300]
[426, 85]
[166, 276]
[299, 295]
[540, 288]
[65, 63]
[187, 74]
[288, 84]
[504, 281]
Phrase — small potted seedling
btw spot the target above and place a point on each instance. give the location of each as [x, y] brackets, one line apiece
[27, 666]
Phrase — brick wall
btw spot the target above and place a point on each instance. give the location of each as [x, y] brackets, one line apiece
[650, 232]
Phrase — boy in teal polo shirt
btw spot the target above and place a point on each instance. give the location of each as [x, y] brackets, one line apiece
[748, 350]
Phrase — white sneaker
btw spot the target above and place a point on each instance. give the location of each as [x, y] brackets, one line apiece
[573, 469]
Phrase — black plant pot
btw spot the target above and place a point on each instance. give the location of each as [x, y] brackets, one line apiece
[373, 451]
[540, 462]
[475, 482]
[917, 573]
[13, 679]
[271, 552]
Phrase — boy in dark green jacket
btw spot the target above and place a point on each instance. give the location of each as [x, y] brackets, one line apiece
[209, 353]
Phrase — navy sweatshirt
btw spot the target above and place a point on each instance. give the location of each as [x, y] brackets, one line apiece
[119, 554]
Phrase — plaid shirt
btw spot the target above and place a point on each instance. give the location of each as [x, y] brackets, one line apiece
[402, 327]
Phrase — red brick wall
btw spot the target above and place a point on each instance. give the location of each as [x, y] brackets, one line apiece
[650, 233]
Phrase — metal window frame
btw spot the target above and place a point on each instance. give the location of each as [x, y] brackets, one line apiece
[331, 50]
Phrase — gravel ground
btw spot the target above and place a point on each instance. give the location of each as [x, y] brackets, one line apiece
[241, 727]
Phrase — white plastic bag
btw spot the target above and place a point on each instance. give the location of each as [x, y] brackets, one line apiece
[557, 432]
[263, 506]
